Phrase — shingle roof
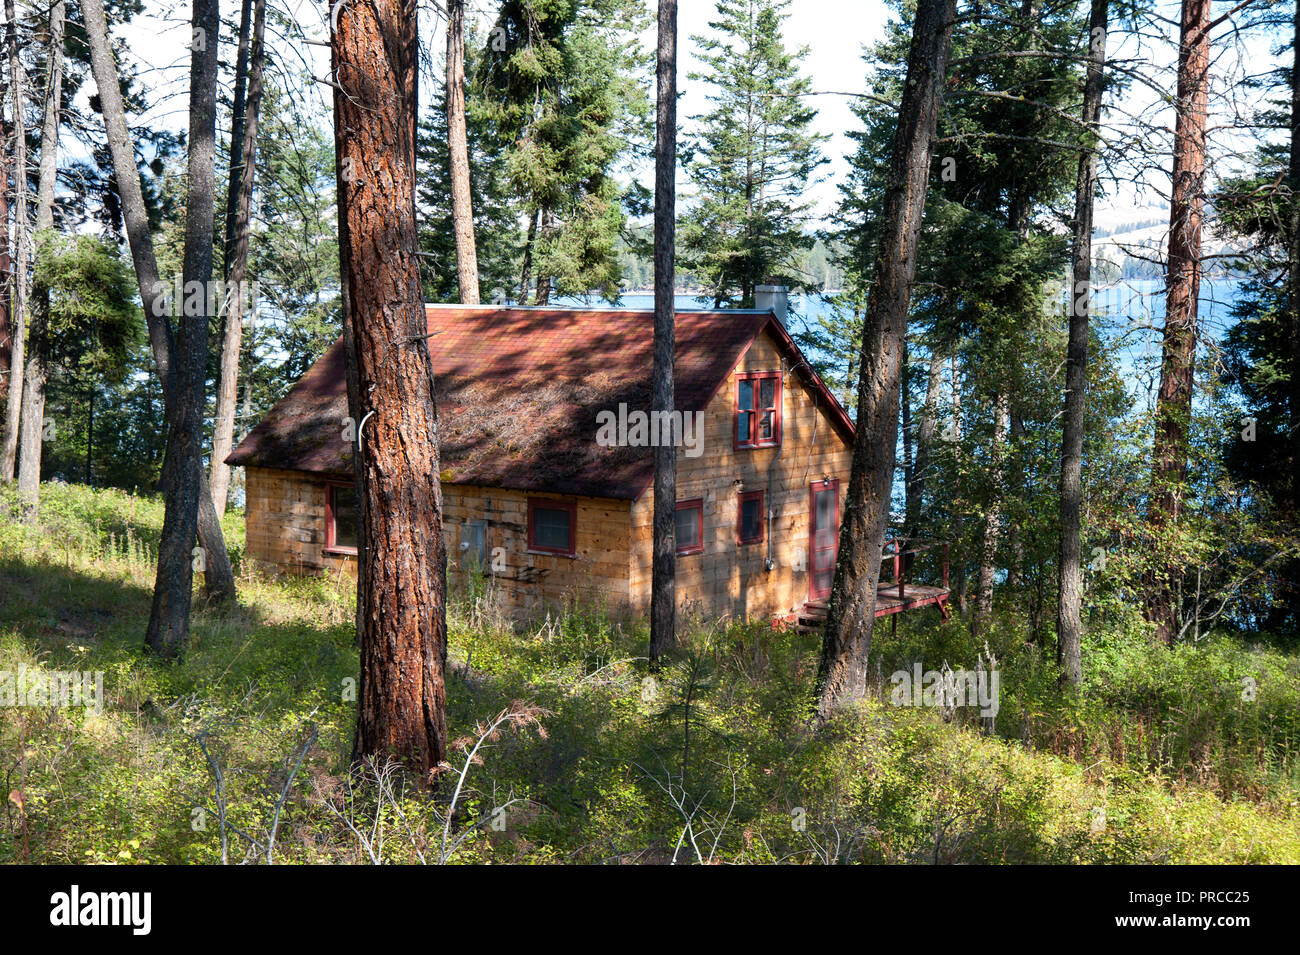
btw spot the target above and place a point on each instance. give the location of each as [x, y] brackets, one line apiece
[518, 391]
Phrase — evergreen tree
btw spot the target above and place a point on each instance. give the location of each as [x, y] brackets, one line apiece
[753, 159]
[559, 85]
[496, 223]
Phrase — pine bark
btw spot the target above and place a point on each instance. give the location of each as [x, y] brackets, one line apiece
[37, 372]
[663, 584]
[219, 581]
[402, 626]
[1178, 351]
[239, 202]
[846, 640]
[1069, 605]
[462, 205]
[18, 331]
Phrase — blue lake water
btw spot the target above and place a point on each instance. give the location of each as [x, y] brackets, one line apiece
[1130, 315]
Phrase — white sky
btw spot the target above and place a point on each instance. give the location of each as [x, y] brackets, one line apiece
[836, 31]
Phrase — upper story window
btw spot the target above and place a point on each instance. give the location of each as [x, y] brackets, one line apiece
[553, 526]
[752, 520]
[689, 526]
[758, 409]
[342, 518]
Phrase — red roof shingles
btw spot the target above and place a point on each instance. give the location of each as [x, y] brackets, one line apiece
[518, 393]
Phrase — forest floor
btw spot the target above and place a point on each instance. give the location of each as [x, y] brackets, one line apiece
[1162, 757]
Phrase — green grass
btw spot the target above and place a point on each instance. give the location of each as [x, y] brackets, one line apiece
[1159, 759]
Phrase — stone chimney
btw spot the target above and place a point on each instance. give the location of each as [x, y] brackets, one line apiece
[773, 298]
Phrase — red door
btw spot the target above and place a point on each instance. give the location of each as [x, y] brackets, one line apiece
[823, 537]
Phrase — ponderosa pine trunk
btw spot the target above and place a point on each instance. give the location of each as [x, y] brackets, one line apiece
[462, 204]
[846, 640]
[1069, 604]
[219, 581]
[37, 372]
[1178, 353]
[239, 202]
[663, 582]
[18, 328]
[402, 624]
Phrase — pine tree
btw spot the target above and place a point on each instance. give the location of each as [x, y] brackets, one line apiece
[496, 224]
[559, 86]
[753, 159]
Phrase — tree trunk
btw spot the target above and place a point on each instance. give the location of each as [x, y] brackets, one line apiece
[6, 262]
[846, 640]
[219, 581]
[526, 269]
[925, 432]
[37, 372]
[182, 476]
[1292, 579]
[663, 585]
[959, 519]
[992, 520]
[18, 351]
[911, 506]
[90, 436]
[1016, 483]
[1178, 355]
[542, 294]
[1069, 605]
[402, 564]
[462, 207]
[239, 201]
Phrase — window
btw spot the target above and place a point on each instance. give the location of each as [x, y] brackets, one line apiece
[342, 519]
[758, 410]
[473, 545]
[552, 527]
[753, 518]
[689, 528]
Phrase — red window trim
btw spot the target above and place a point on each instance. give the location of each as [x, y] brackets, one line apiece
[740, 518]
[698, 504]
[755, 442]
[330, 530]
[551, 504]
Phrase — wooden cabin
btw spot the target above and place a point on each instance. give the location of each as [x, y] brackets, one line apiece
[547, 462]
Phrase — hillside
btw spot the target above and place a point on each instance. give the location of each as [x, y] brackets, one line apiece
[587, 757]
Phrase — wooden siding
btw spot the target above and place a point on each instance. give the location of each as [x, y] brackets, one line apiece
[286, 519]
[284, 523]
[285, 531]
[728, 577]
[529, 579]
